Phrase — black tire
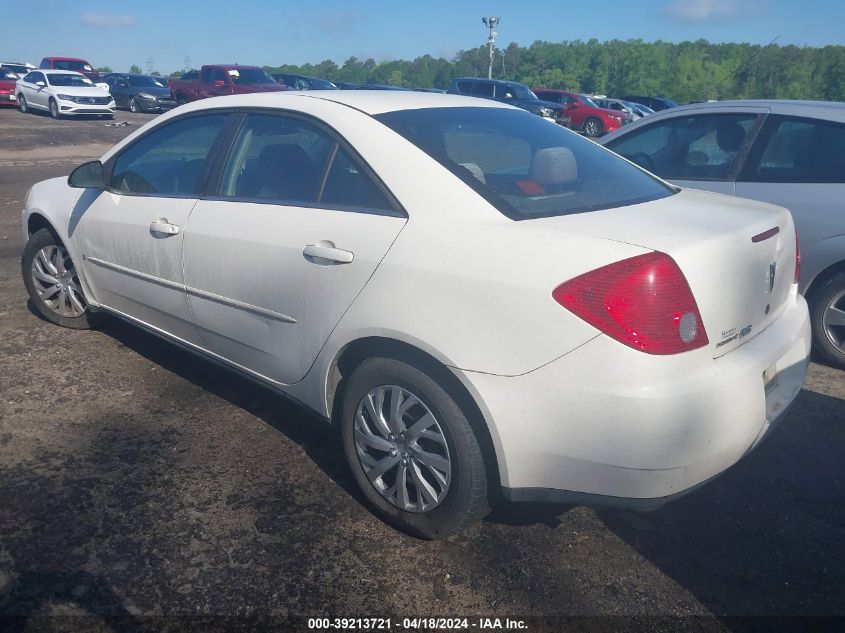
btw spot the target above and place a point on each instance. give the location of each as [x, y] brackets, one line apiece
[593, 127]
[180, 101]
[829, 342]
[133, 105]
[466, 499]
[42, 239]
[54, 110]
[22, 104]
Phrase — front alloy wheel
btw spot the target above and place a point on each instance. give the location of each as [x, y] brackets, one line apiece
[133, 105]
[22, 104]
[592, 127]
[54, 109]
[53, 284]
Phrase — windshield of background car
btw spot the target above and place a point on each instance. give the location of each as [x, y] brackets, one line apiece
[69, 64]
[75, 81]
[251, 76]
[522, 92]
[146, 82]
[523, 165]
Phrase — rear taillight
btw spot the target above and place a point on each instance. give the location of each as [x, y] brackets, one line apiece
[644, 302]
[797, 258]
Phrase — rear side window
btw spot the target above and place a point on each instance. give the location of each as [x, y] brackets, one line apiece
[524, 166]
[169, 160]
[482, 89]
[288, 161]
[465, 86]
[697, 147]
[798, 150]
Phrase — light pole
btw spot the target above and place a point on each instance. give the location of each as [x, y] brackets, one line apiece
[491, 24]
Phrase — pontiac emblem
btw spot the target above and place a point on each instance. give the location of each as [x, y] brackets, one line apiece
[772, 269]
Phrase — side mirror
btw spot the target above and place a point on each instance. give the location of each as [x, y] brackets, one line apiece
[41, 84]
[88, 176]
[218, 83]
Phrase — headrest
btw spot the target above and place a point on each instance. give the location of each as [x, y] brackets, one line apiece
[554, 166]
[475, 170]
[729, 136]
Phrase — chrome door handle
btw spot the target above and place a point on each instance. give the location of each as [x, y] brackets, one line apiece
[326, 251]
[163, 227]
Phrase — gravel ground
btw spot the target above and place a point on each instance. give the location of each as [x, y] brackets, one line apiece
[137, 481]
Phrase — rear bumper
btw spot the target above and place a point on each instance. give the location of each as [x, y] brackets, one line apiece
[609, 425]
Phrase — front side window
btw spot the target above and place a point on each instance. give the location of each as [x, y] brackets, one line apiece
[482, 89]
[696, 147]
[522, 165]
[169, 160]
[798, 150]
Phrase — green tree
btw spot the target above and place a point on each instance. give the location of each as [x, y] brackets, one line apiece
[104, 70]
[135, 69]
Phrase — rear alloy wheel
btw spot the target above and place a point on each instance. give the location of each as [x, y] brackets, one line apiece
[411, 449]
[133, 105]
[53, 284]
[827, 311]
[54, 109]
[22, 104]
[593, 127]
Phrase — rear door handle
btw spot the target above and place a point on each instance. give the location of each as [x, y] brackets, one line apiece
[326, 251]
[163, 227]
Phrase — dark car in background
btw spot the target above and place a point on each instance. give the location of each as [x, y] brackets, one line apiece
[379, 87]
[72, 63]
[140, 93]
[583, 114]
[655, 103]
[303, 82]
[511, 92]
[345, 85]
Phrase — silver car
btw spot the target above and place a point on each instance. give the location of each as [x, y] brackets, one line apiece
[790, 153]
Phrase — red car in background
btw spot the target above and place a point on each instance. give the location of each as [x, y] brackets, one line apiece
[214, 80]
[584, 115]
[7, 87]
[72, 63]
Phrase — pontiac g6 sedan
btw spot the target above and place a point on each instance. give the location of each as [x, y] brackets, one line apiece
[480, 302]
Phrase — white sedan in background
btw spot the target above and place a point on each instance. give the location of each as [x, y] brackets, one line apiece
[475, 299]
[63, 93]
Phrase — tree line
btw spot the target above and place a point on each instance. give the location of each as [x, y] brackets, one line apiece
[685, 71]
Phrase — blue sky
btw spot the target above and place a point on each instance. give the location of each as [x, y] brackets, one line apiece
[118, 34]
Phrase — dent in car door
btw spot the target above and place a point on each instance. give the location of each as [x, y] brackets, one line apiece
[131, 235]
[272, 264]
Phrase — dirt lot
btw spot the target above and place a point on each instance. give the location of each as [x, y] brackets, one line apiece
[138, 481]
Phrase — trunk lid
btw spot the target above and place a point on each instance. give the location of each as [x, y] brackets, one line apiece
[738, 255]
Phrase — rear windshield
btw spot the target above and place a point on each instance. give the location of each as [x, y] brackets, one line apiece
[72, 64]
[525, 166]
[16, 68]
[6, 74]
[250, 76]
[77, 81]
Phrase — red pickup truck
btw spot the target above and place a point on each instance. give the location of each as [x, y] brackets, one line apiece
[215, 80]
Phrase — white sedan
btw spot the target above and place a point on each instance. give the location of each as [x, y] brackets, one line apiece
[475, 299]
[63, 93]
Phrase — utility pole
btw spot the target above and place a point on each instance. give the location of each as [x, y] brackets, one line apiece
[491, 24]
